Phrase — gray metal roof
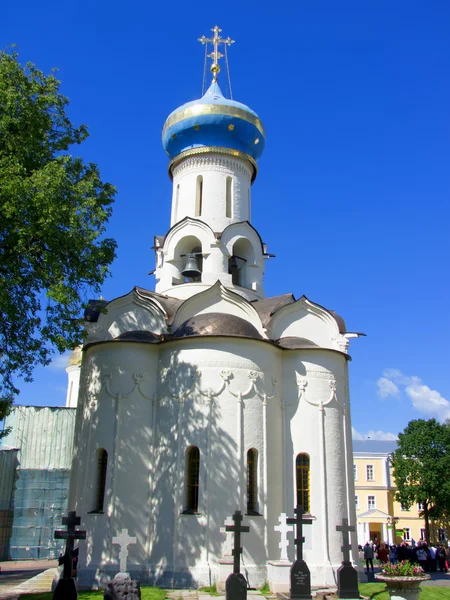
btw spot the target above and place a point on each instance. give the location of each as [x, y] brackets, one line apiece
[374, 446]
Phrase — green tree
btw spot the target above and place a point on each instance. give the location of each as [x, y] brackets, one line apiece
[53, 212]
[421, 468]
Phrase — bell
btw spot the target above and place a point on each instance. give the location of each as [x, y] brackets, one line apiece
[191, 267]
[232, 264]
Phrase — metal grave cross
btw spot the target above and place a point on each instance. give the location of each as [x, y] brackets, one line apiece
[284, 529]
[299, 521]
[237, 529]
[123, 540]
[346, 529]
[227, 546]
[70, 536]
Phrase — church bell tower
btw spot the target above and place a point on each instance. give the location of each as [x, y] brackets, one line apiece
[213, 144]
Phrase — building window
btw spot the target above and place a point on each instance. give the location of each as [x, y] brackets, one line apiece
[302, 480]
[177, 197]
[371, 502]
[199, 197]
[369, 473]
[355, 472]
[406, 533]
[404, 507]
[192, 479]
[357, 502]
[420, 507]
[252, 482]
[102, 466]
[423, 534]
[228, 197]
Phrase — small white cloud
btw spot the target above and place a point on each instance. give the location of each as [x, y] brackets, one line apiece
[424, 399]
[373, 435]
[428, 401]
[61, 361]
[387, 388]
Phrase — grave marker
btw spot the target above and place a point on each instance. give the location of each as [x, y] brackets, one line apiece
[284, 529]
[347, 575]
[123, 540]
[236, 585]
[300, 575]
[66, 588]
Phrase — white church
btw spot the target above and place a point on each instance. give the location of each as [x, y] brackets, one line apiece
[204, 396]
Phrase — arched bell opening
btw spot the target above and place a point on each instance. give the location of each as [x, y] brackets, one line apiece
[240, 263]
[189, 260]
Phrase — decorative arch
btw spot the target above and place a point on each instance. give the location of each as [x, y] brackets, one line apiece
[184, 228]
[220, 299]
[243, 229]
[306, 319]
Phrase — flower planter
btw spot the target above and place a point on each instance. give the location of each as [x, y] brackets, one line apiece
[403, 588]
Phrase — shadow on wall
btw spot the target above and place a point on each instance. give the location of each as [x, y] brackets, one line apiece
[147, 467]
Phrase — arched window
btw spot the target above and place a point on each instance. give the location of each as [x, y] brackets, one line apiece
[252, 482]
[192, 479]
[102, 466]
[228, 198]
[199, 197]
[302, 480]
[177, 198]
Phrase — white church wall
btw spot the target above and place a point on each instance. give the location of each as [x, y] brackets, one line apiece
[214, 169]
[117, 396]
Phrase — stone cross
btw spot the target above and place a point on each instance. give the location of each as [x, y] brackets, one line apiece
[123, 540]
[70, 536]
[237, 529]
[346, 529]
[227, 546]
[299, 521]
[284, 529]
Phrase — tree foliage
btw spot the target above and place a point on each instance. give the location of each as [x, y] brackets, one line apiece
[53, 212]
[421, 468]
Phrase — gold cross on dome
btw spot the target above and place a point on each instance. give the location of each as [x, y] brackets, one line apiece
[216, 55]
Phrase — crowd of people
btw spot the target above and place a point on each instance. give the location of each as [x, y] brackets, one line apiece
[430, 557]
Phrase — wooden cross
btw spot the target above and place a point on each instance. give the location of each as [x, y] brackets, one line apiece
[70, 536]
[299, 521]
[237, 529]
[346, 529]
[215, 55]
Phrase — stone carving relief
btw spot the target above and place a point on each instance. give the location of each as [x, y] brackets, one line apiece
[302, 385]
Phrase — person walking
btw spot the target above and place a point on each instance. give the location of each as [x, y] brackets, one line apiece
[368, 555]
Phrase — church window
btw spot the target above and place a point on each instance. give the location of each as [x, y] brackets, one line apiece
[228, 197]
[102, 466]
[193, 472]
[252, 482]
[199, 197]
[302, 480]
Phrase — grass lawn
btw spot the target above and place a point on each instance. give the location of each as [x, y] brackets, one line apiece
[376, 591]
[148, 593]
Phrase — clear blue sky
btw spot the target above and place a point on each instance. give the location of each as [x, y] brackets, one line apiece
[354, 186]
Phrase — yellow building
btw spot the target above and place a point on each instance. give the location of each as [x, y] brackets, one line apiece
[376, 509]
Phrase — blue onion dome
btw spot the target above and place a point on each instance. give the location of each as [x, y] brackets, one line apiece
[214, 123]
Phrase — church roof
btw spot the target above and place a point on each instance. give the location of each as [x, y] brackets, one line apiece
[294, 343]
[216, 123]
[217, 324]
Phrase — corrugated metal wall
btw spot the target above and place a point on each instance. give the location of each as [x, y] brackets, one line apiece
[8, 473]
[44, 436]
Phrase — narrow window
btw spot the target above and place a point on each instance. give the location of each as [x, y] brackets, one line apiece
[199, 197]
[302, 477]
[252, 482]
[249, 206]
[228, 198]
[193, 470]
[355, 472]
[369, 473]
[406, 533]
[175, 208]
[357, 502]
[371, 502]
[102, 466]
